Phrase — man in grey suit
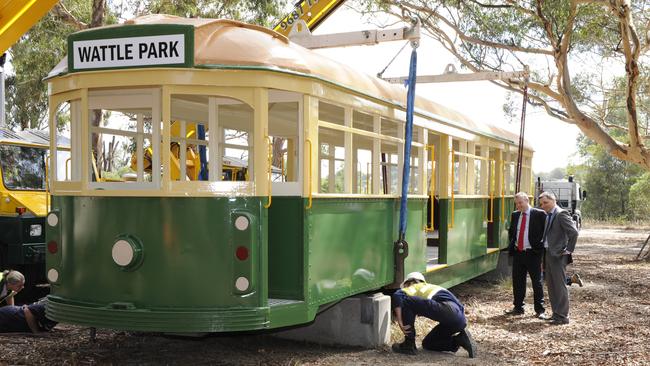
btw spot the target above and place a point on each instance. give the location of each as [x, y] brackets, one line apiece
[560, 236]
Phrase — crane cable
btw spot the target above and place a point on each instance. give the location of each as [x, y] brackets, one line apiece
[522, 128]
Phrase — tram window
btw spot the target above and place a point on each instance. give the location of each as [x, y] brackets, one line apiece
[389, 164]
[414, 171]
[236, 154]
[389, 127]
[67, 165]
[363, 121]
[117, 137]
[189, 151]
[332, 160]
[331, 113]
[210, 138]
[284, 122]
[477, 188]
[363, 167]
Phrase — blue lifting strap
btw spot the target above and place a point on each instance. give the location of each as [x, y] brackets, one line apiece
[408, 137]
[203, 173]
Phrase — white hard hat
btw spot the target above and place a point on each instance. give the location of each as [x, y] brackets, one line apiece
[414, 276]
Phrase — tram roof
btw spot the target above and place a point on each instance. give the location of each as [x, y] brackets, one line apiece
[222, 43]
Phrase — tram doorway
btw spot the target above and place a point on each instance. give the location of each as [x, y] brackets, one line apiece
[433, 202]
[286, 212]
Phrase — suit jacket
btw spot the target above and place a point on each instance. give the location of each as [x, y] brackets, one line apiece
[535, 223]
[561, 234]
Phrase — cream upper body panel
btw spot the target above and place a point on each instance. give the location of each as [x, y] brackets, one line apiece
[227, 43]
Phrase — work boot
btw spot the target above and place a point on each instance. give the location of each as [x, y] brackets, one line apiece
[407, 347]
[576, 279]
[464, 340]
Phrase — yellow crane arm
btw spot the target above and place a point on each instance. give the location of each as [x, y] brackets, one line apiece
[18, 16]
[312, 12]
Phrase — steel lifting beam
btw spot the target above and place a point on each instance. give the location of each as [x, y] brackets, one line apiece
[304, 37]
[450, 75]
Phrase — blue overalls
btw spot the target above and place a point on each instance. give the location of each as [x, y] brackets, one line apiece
[435, 303]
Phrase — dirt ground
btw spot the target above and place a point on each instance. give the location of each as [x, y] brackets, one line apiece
[610, 318]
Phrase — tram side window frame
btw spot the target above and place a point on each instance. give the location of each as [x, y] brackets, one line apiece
[128, 99]
[384, 138]
[65, 147]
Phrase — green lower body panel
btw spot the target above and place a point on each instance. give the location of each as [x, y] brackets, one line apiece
[159, 320]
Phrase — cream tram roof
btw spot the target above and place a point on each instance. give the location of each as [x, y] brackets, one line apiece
[220, 42]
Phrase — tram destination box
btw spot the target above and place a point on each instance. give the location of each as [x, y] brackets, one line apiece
[131, 46]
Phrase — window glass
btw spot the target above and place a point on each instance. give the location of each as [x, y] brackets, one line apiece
[122, 147]
[331, 160]
[331, 113]
[389, 167]
[23, 168]
[210, 134]
[284, 122]
[68, 166]
[362, 121]
[363, 168]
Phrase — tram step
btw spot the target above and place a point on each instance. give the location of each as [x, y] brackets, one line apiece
[282, 302]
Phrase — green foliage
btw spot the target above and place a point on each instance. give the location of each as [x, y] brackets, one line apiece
[39, 50]
[32, 57]
[608, 181]
[262, 12]
[640, 198]
[555, 174]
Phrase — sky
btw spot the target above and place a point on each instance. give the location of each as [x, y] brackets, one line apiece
[554, 141]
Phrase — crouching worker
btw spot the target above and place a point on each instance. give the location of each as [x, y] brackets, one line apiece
[416, 297]
[11, 283]
[25, 319]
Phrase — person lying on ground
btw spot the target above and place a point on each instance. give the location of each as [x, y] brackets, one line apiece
[25, 319]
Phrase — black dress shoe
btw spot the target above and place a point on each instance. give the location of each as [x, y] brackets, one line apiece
[557, 321]
[514, 311]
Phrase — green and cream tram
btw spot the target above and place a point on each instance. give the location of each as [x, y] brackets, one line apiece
[153, 228]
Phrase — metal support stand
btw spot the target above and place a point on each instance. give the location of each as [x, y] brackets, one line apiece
[644, 256]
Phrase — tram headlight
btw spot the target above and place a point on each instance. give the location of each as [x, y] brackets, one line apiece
[52, 275]
[35, 230]
[242, 284]
[127, 252]
[52, 219]
[241, 223]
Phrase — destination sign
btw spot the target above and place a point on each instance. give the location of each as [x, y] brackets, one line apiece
[105, 53]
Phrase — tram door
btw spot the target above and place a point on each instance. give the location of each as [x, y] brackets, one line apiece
[285, 215]
[433, 203]
[493, 207]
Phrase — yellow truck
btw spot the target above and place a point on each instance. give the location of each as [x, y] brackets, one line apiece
[23, 202]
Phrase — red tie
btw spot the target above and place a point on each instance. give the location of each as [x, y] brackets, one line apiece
[522, 230]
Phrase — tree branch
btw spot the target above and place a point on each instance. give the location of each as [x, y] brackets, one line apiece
[475, 40]
[60, 12]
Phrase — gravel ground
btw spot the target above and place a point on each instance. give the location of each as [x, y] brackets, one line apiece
[609, 325]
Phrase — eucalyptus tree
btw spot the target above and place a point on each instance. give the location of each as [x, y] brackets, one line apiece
[40, 49]
[575, 49]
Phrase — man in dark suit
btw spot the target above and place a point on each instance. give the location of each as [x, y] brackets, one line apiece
[560, 239]
[527, 249]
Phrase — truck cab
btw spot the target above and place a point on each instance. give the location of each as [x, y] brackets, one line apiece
[569, 196]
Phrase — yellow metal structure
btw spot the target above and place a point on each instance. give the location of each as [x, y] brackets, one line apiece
[312, 12]
[18, 16]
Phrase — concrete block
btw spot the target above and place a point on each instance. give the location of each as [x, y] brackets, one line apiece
[362, 320]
